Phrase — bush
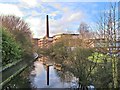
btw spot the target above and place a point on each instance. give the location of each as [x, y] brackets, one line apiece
[11, 50]
[21, 32]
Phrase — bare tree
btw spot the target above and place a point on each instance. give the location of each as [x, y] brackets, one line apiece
[84, 30]
[108, 38]
[20, 29]
[86, 35]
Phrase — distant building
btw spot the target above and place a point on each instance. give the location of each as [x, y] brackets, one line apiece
[36, 42]
[58, 36]
[107, 47]
[47, 41]
[40, 42]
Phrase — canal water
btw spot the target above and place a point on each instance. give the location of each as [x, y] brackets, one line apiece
[35, 76]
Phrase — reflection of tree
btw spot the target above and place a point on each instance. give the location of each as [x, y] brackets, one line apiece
[65, 76]
[101, 68]
[74, 61]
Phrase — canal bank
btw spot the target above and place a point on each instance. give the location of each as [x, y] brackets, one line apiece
[9, 73]
[34, 76]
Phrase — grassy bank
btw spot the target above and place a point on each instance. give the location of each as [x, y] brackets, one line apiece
[11, 72]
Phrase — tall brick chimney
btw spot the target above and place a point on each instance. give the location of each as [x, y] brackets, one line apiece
[119, 19]
[47, 27]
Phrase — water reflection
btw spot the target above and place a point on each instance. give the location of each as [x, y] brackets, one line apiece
[35, 77]
[39, 79]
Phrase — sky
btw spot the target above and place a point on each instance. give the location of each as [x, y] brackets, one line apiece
[64, 17]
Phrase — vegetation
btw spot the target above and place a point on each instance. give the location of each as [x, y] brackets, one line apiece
[16, 39]
[11, 50]
[80, 66]
[102, 73]
[16, 46]
[72, 59]
[98, 66]
[21, 32]
[108, 35]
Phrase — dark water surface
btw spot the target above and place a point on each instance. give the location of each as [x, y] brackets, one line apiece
[34, 76]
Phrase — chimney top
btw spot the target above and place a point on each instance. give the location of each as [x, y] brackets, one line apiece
[47, 26]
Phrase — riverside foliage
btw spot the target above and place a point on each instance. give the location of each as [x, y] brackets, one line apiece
[11, 50]
[16, 39]
[88, 65]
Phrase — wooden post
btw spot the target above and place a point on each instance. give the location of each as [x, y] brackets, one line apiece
[47, 74]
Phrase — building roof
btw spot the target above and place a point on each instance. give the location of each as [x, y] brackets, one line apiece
[66, 34]
[35, 38]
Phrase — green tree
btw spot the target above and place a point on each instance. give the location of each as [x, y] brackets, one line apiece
[79, 64]
[74, 58]
[58, 52]
[104, 65]
[11, 50]
[21, 31]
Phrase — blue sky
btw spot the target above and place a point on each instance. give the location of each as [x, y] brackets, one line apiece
[63, 16]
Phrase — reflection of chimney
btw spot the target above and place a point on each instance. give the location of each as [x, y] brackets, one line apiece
[47, 27]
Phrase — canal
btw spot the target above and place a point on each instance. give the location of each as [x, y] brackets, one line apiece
[35, 76]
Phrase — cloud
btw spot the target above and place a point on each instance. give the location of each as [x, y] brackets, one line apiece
[9, 1]
[36, 18]
[9, 9]
[30, 3]
[37, 26]
[65, 23]
[76, 16]
[63, 17]
[60, 6]
[55, 13]
[80, 0]
[60, 19]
